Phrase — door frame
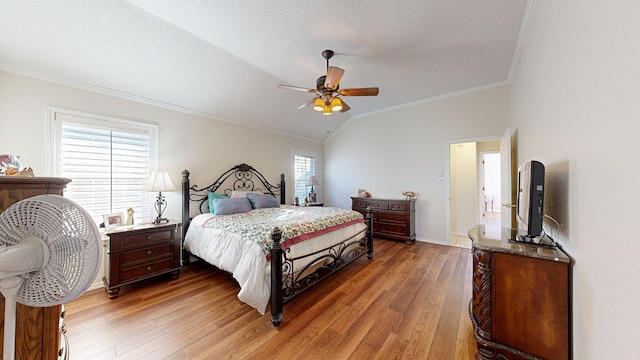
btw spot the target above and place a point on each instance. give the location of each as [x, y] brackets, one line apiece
[448, 180]
[481, 184]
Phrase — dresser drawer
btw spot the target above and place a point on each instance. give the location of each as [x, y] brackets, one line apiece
[133, 257]
[146, 238]
[145, 270]
[392, 217]
[398, 229]
[398, 205]
[359, 203]
[379, 205]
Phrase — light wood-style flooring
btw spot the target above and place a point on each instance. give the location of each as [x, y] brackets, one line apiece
[409, 302]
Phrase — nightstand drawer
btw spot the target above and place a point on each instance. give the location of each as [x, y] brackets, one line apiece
[146, 238]
[145, 270]
[132, 257]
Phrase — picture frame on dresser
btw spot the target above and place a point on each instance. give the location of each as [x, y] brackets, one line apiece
[113, 221]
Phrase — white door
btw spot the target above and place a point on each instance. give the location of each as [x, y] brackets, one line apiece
[505, 181]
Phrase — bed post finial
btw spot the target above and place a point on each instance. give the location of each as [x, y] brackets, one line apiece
[185, 213]
[369, 235]
[276, 277]
[283, 190]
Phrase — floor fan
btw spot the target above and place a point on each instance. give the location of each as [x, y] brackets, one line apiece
[50, 253]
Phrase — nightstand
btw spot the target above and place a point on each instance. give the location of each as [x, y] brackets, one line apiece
[140, 252]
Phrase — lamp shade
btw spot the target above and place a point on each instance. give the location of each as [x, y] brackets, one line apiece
[336, 104]
[312, 181]
[159, 182]
[318, 105]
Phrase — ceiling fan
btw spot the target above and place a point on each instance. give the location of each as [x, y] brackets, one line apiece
[327, 92]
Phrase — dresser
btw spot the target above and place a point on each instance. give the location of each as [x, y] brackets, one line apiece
[140, 252]
[39, 331]
[521, 301]
[392, 218]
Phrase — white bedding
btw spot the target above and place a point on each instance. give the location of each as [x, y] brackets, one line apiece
[246, 260]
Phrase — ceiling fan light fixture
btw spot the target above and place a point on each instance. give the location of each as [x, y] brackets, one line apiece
[336, 104]
[327, 111]
[318, 105]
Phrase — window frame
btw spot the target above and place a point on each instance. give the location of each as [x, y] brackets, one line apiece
[99, 121]
[307, 154]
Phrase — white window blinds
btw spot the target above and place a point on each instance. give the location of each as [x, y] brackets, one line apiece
[304, 165]
[108, 161]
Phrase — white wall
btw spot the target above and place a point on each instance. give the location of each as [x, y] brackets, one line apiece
[204, 146]
[405, 149]
[463, 187]
[575, 107]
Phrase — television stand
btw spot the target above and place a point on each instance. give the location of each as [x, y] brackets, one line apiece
[521, 306]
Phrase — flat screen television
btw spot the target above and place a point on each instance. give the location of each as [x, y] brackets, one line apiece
[530, 201]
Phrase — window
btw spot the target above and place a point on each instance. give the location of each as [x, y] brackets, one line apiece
[108, 160]
[304, 165]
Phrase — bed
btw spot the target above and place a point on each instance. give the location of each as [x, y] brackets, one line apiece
[274, 251]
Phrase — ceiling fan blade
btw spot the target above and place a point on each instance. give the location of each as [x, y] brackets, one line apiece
[297, 88]
[334, 74]
[306, 103]
[370, 91]
[345, 107]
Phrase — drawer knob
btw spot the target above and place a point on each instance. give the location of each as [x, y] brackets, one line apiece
[149, 252]
[148, 268]
[148, 237]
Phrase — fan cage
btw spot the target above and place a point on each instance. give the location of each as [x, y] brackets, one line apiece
[74, 247]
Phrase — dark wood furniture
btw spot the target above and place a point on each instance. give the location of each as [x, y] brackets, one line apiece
[521, 299]
[285, 284]
[39, 331]
[392, 218]
[142, 251]
[314, 204]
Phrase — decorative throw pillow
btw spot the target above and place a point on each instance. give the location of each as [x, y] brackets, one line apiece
[231, 206]
[259, 201]
[241, 194]
[214, 196]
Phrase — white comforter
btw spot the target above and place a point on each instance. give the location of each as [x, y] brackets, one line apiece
[246, 260]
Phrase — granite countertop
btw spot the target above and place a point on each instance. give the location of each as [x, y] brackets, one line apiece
[506, 245]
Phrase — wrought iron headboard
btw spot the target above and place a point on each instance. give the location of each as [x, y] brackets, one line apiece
[241, 177]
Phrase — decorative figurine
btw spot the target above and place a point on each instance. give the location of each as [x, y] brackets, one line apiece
[409, 194]
[129, 216]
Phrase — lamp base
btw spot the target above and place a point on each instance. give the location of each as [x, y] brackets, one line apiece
[160, 220]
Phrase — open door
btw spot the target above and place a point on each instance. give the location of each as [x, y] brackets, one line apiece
[506, 218]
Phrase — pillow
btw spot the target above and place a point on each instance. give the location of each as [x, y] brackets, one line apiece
[259, 201]
[240, 194]
[214, 196]
[231, 206]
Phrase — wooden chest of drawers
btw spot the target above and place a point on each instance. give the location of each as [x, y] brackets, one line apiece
[392, 218]
[520, 308]
[39, 331]
[142, 252]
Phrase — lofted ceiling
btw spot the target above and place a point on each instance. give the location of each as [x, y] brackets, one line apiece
[224, 59]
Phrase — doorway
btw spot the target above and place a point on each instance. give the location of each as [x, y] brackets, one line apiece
[473, 189]
[490, 200]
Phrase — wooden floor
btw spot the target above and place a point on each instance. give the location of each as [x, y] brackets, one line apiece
[409, 302]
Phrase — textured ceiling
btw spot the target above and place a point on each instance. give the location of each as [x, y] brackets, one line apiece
[224, 59]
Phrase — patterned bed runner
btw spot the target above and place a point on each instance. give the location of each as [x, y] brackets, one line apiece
[298, 223]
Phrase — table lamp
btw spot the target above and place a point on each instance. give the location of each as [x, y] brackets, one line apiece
[159, 181]
[312, 181]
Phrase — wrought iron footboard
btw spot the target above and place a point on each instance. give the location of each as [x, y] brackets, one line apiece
[288, 282]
